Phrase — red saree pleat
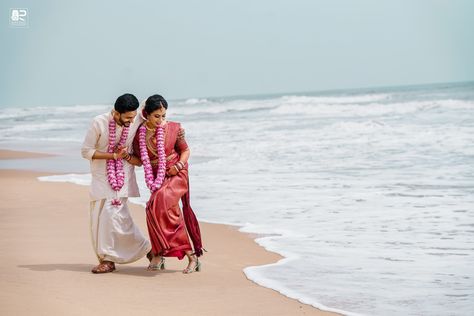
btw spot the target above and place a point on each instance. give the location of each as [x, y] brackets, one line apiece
[192, 224]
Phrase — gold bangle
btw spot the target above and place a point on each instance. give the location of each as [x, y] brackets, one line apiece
[115, 156]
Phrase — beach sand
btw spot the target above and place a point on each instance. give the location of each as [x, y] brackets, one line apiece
[13, 154]
[47, 257]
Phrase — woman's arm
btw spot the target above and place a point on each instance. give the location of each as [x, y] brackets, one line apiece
[183, 159]
[133, 160]
[184, 156]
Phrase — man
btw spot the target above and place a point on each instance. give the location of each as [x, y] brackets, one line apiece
[108, 144]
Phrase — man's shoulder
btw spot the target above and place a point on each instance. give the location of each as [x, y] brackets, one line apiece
[102, 117]
[101, 120]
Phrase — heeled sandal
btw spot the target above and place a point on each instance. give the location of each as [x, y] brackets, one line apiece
[159, 266]
[196, 268]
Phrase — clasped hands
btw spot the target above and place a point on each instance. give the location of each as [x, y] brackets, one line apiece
[121, 153]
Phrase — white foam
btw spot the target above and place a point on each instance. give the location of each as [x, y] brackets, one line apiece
[370, 109]
[195, 101]
[336, 99]
[253, 273]
[81, 179]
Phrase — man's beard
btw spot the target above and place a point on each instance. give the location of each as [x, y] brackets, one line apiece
[126, 124]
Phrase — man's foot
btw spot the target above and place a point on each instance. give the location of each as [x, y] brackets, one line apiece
[104, 267]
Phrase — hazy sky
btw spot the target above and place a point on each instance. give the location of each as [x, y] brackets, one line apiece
[89, 52]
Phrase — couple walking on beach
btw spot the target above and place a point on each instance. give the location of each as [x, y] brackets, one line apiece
[115, 143]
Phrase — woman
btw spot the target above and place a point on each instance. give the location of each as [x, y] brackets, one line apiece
[164, 156]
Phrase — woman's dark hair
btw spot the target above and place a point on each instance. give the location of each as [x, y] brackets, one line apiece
[154, 103]
[126, 103]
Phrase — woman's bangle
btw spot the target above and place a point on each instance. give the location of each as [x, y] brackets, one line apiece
[129, 157]
[115, 156]
[177, 169]
[181, 165]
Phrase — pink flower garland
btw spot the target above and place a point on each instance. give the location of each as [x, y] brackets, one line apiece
[153, 183]
[115, 173]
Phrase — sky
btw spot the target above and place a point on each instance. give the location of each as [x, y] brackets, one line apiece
[89, 52]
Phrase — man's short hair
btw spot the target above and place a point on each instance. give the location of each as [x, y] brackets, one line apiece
[126, 103]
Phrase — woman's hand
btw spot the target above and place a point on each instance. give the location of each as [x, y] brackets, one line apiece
[172, 171]
[122, 153]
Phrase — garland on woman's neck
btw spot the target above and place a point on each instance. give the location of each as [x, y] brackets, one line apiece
[153, 183]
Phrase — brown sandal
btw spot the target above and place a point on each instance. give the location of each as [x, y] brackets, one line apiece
[104, 267]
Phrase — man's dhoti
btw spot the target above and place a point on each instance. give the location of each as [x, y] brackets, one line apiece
[115, 237]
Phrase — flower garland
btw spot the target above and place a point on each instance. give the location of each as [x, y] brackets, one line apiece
[115, 173]
[153, 183]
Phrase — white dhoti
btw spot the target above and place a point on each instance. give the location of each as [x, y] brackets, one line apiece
[115, 237]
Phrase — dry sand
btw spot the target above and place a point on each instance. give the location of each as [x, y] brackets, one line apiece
[47, 257]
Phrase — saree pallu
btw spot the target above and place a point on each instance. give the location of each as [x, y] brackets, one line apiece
[171, 230]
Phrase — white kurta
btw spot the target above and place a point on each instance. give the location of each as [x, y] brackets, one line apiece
[115, 237]
[97, 138]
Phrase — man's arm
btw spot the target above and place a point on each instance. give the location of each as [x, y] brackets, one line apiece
[89, 146]
[90, 141]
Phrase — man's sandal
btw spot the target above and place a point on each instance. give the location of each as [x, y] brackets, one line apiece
[104, 267]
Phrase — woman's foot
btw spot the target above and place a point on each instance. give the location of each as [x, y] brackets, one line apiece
[193, 266]
[104, 267]
[157, 263]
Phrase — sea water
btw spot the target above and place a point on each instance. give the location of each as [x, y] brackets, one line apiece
[368, 194]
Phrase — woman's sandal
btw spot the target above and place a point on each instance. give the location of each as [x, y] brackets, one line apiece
[159, 266]
[196, 268]
[104, 267]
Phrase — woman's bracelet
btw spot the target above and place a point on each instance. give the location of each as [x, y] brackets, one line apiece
[128, 157]
[180, 164]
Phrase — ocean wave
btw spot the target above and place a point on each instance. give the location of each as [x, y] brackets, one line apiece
[336, 99]
[370, 109]
[46, 126]
[81, 179]
[61, 111]
[224, 107]
[193, 101]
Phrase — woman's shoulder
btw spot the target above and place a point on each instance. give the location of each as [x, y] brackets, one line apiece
[137, 133]
[174, 124]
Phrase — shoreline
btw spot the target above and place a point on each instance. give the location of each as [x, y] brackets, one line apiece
[61, 251]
